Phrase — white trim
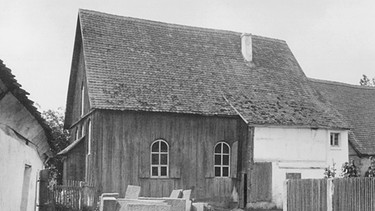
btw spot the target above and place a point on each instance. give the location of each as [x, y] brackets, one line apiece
[221, 154]
[159, 153]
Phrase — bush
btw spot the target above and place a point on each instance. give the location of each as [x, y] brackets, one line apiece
[349, 170]
[371, 169]
[330, 172]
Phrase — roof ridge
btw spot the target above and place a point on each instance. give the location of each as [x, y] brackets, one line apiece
[174, 25]
[341, 84]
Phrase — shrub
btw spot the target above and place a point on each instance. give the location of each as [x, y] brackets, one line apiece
[330, 172]
[371, 169]
[349, 170]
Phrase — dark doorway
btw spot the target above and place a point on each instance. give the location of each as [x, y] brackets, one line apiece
[245, 190]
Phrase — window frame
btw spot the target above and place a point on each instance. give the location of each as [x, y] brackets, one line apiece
[82, 99]
[76, 134]
[332, 141]
[88, 152]
[159, 153]
[89, 130]
[221, 154]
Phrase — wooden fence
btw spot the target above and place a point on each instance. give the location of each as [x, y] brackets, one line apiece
[306, 194]
[74, 197]
[349, 194]
[354, 194]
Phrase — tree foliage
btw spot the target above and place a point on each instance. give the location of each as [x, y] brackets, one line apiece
[371, 169]
[60, 140]
[330, 172]
[365, 81]
[349, 170]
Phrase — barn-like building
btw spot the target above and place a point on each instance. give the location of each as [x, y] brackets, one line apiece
[164, 106]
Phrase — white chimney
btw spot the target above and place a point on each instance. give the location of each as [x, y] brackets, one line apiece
[247, 47]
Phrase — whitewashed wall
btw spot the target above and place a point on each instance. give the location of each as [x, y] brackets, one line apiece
[14, 155]
[306, 151]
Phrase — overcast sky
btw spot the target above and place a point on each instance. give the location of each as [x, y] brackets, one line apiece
[332, 40]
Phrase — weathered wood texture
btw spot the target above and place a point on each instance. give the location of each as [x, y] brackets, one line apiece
[343, 194]
[261, 182]
[73, 113]
[354, 194]
[249, 154]
[242, 164]
[307, 194]
[121, 152]
[74, 164]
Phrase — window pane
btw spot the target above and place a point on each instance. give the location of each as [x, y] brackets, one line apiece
[154, 171]
[217, 160]
[218, 148]
[225, 159]
[155, 159]
[164, 159]
[164, 147]
[155, 147]
[225, 148]
[163, 171]
[225, 171]
[217, 172]
[336, 139]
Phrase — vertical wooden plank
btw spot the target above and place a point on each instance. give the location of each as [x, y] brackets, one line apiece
[234, 159]
[250, 161]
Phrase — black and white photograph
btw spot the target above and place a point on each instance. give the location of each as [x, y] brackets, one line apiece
[209, 105]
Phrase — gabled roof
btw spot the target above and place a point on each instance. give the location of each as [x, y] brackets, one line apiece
[14, 87]
[141, 65]
[357, 105]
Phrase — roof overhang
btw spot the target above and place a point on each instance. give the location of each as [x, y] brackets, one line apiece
[71, 146]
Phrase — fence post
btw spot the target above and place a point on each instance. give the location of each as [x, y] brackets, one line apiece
[80, 192]
[330, 190]
[285, 196]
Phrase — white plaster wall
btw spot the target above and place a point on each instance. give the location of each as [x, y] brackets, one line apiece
[14, 154]
[303, 150]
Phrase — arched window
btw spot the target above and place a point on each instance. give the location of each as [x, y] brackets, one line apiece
[222, 160]
[159, 158]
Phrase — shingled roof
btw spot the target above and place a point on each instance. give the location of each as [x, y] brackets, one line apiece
[141, 65]
[357, 105]
[14, 87]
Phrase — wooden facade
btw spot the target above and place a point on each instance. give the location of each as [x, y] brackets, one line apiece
[120, 153]
[121, 141]
[120, 148]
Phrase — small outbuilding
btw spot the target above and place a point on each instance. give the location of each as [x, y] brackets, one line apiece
[25, 145]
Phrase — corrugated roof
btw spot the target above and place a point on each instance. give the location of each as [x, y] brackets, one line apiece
[134, 64]
[357, 105]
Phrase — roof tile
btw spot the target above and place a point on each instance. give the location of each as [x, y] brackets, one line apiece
[356, 104]
[134, 64]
